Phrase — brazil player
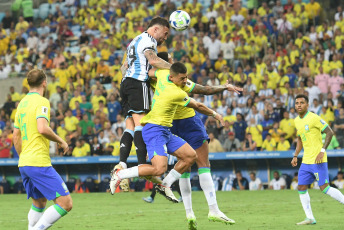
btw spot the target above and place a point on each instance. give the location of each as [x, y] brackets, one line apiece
[157, 135]
[190, 127]
[314, 161]
[134, 91]
[31, 138]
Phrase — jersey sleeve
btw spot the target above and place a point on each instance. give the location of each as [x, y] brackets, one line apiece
[16, 121]
[148, 44]
[182, 98]
[319, 123]
[43, 110]
[190, 85]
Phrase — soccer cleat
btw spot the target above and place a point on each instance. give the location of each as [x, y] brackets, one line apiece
[220, 217]
[192, 224]
[115, 181]
[166, 192]
[307, 221]
[148, 199]
[180, 200]
[125, 182]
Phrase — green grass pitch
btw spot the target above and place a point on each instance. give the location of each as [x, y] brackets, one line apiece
[127, 211]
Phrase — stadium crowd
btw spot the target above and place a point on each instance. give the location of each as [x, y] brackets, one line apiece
[273, 51]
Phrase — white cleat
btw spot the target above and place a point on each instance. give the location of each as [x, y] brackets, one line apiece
[125, 182]
[192, 224]
[307, 222]
[115, 181]
[220, 217]
[166, 192]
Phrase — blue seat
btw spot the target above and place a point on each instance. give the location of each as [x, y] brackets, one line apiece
[2, 15]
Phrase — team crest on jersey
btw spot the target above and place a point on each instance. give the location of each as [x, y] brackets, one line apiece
[306, 127]
[322, 122]
[45, 110]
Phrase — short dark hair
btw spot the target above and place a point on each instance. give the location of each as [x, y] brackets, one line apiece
[178, 68]
[253, 173]
[35, 77]
[302, 96]
[340, 173]
[159, 21]
[163, 56]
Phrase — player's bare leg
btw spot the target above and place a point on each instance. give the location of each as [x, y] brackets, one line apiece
[186, 157]
[63, 204]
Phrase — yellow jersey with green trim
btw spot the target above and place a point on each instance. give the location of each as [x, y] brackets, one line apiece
[167, 97]
[35, 147]
[182, 112]
[309, 129]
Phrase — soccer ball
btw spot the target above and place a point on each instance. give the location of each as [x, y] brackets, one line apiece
[180, 20]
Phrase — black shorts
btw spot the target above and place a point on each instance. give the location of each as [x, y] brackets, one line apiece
[135, 96]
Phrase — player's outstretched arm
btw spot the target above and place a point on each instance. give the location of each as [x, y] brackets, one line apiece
[202, 108]
[155, 61]
[298, 149]
[47, 132]
[17, 140]
[209, 90]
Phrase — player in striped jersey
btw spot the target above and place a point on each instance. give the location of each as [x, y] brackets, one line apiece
[135, 92]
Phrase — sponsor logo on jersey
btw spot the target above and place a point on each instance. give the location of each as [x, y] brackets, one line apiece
[45, 110]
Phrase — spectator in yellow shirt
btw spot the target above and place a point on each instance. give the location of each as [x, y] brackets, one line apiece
[269, 144]
[287, 126]
[21, 24]
[313, 9]
[71, 121]
[96, 98]
[283, 144]
[79, 151]
[214, 144]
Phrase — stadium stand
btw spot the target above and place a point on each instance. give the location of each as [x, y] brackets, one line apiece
[273, 49]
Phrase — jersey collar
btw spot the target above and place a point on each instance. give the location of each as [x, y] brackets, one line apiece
[304, 115]
[32, 93]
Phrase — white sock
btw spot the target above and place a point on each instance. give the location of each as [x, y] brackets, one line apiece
[208, 188]
[185, 190]
[50, 216]
[306, 204]
[123, 164]
[34, 215]
[334, 193]
[171, 177]
[129, 173]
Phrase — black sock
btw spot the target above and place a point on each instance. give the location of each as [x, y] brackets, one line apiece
[141, 151]
[153, 192]
[125, 147]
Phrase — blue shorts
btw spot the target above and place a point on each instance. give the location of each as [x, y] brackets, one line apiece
[310, 172]
[160, 141]
[192, 130]
[42, 182]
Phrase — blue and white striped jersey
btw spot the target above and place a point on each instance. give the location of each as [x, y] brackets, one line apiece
[138, 64]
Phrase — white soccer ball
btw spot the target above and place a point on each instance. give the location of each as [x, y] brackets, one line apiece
[180, 20]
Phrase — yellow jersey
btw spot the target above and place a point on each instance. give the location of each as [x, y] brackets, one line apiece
[285, 146]
[167, 97]
[182, 112]
[309, 129]
[35, 147]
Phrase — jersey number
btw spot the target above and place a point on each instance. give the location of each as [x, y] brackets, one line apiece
[23, 126]
[156, 93]
[132, 55]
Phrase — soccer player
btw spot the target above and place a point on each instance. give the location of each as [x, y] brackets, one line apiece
[157, 135]
[31, 138]
[314, 162]
[134, 91]
[190, 127]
